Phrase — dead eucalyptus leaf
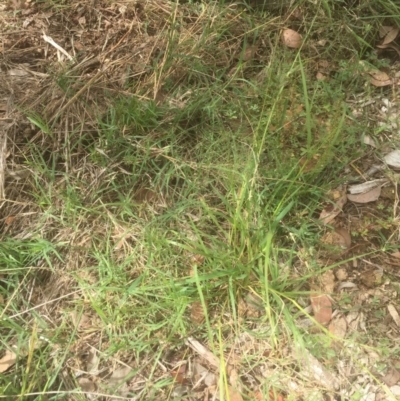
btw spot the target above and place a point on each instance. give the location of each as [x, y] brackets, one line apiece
[291, 38]
[7, 360]
[366, 186]
[384, 30]
[366, 197]
[395, 315]
[369, 141]
[392, 159]
[392, 46]
[390, 36]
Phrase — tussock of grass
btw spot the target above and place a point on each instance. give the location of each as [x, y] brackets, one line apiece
[166, 172]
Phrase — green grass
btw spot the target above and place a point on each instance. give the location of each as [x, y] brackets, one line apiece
[227, 207]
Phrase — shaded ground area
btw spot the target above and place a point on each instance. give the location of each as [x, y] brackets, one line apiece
[199, 201]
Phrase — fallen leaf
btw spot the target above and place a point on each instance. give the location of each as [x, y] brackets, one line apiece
[366, 186]
[391, 46]
[384, 30]
[291, 38]
[322, 308]
[365, 197]
[390, 36]
[395, 315]
[392, 159]
[7, 360]
[369, 141]
[203, 352]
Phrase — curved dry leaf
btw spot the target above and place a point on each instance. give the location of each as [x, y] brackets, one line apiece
[384, 30]
[369, 141]
[291, 38]
[322, 308]
[391, 36]
[7, 360]
[394, 314]
[366, 197]
[392, 159]
[366, 186]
